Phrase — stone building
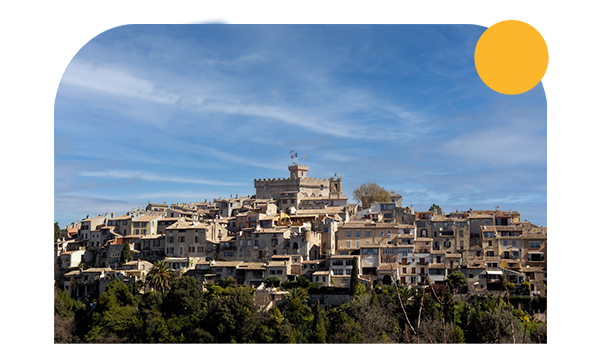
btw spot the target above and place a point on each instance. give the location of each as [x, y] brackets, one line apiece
[293, 189]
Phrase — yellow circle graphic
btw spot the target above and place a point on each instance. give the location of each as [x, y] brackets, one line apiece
[511, 57]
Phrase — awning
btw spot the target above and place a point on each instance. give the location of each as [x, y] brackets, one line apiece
[494, 272]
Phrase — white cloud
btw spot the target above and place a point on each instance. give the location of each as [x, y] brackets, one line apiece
[111, 80]
[153, 177]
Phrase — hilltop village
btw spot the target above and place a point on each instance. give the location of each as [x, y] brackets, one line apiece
[302, 226]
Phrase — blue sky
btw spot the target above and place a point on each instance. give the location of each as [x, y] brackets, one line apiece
[182, 113]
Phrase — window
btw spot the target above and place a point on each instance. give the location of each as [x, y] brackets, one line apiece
[514, 243]
[338, 272]
[181, 239]
[447, 244]
[505, 242]
[348, 233]
[136, 225]
[144, 224]
[195, 240]
[536, 257]
[180, 250]
[357, 243]
[357, 233]
[534, 244]
[389, 233]
[338, 262]
[460, 232]
[369, 251]
[489, 253]
[170, 240]
[191, 249]
[348, 244]
[381, 234]
[368, 233]
[436, 271]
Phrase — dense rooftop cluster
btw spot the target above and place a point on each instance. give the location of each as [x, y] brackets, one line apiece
[301, 226]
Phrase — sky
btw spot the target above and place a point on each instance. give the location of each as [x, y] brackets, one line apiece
[184, 113]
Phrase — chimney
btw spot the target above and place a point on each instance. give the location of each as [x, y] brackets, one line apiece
[112, 215]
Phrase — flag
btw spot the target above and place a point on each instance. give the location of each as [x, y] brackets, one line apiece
[304, 157]
[292, 151]
[292, 156]
[296, 155]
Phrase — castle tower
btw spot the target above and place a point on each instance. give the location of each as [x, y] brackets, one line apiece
[298, 171]
[335, 186]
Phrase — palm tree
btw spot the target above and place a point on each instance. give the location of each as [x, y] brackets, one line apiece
[160, 277]
[295, 304]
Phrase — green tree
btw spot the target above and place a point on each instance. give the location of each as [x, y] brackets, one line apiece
[160, 276]
[185, 297]
[319, 325]
[154, 324]
[456, 280]
[370, 193]
[230, 314]
[295, 306]
[116, 316]
[436, 208]
[354, 281]
[56, 231]
[272, 281]
[344, 328]
[66, 311]
[125, 255]
[526, 288]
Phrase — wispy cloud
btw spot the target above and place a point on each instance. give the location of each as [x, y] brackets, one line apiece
[110, 80]
[121, 174]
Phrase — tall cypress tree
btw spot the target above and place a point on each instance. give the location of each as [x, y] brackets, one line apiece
[354, 278]
[125, 255]
[56, 231]
[319, 326]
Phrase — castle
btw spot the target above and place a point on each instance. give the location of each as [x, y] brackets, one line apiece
[297, 187]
